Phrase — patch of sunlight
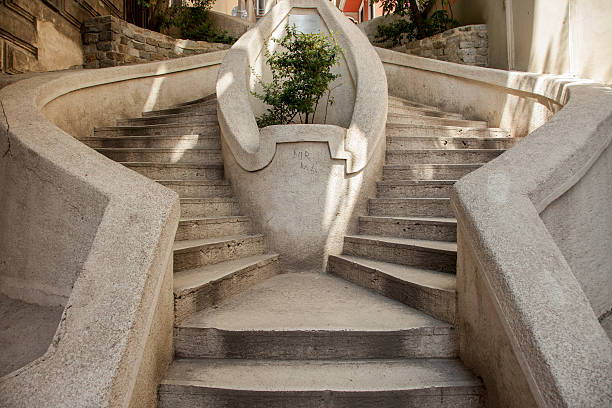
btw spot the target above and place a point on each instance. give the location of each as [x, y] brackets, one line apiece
[224, 83]
[155, 89]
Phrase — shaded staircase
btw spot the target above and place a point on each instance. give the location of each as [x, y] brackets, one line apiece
[247, 336]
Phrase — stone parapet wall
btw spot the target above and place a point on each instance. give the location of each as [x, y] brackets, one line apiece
[109, 41]
[468, 45]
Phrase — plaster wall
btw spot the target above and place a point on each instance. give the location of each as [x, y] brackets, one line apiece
[43, 36]
[546, 36]
[580, 222]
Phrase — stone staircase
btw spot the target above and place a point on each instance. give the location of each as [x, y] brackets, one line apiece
[247, 336]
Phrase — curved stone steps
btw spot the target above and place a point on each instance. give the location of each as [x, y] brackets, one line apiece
[406, 207]
[425, 228]
[209, 206]
[442, 156]
[414, 188]
[171, 129]
[312, 316]
[203, 287]
[430, 130]
[441, 142]
[177, 171]
[399, 119]
[306, 384]
[429, 171]
[204, 141]
[198, 188]
[413, 110]
[193, 253]
[204, 116]
[201, 106]
[212, 227]
[432, 292]
[170, 155]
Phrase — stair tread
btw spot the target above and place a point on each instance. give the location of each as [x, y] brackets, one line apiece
[155, 126]
[196, 200]
[444, 246]
[434, 375]
[158, 149]
[416, 182]
[214, 220]
[438, 126]
[195, 243]
[388, 218]
[444, 150]
[204, 182]
[147, 137]
[432, 165]
[423, 277]
[310, 301]
[190, 279]
[170, 164]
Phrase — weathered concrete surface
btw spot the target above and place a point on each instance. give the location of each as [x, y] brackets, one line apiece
[540, 307]
[112, 230]
[26, 331]
[304, 184]
[302, 384]
[234, 26]
[516, 102]
[580, 222]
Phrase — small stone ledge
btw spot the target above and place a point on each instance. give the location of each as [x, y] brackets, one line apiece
[109, 42]
[468, 45]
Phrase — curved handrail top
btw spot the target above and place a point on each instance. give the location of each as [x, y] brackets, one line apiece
[251, 147]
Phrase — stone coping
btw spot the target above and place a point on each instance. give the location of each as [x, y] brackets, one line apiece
[563, 351]
[98, 347]
[356, 145]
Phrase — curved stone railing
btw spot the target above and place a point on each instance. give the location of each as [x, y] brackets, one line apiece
[527, 322]
[253, 149]
[84, 232]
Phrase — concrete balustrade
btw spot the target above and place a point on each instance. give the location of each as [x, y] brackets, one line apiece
[81, 231]
[533, 230]
[304, 185]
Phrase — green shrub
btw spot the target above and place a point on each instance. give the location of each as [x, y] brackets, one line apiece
[301, 74]
[418, 26]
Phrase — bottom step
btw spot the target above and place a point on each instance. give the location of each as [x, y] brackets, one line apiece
[297, 384]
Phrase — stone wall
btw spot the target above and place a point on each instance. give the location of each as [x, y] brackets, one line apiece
[467, 45]
[109, 41]
[45, 35]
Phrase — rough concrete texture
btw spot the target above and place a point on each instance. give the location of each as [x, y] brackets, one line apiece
[312, 316]
[26, 331]
[301, 384]
[516, 101]
[540, 306]
[234, 26]
[304, 202]
[357, 144]
[112, 227]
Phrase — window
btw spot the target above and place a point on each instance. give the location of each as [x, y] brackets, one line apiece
[370, 10]
[361, 13]
[261, 8]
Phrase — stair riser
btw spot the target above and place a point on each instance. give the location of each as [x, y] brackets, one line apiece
[218, 291]
[179, 173]
[416, 191]
[420, 208]
[201, 191]
[427, 173]
[212, 254]
[430, 120]
[216, 209]
[164, 120]
[186, 142]
[316, 345]
[187, 156]
[185, 396]
[158, 131]
[413, 230]
[403, 255]
[199, 230]
[438, 303]
[201, 109]
[441, 156]
[413, 111]
[412, 143]
[416, 131]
